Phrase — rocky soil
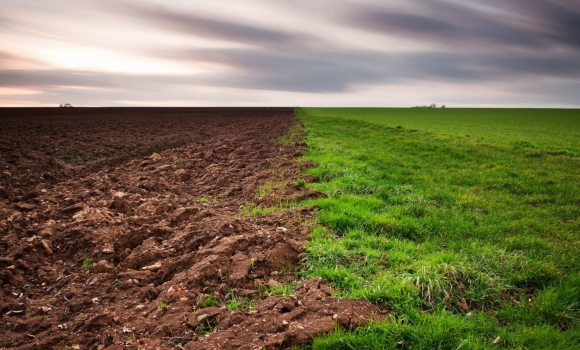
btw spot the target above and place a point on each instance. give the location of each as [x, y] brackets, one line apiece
[166, 243]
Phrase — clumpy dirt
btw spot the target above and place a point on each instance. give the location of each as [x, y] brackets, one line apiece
[145, 249]
[47, 145]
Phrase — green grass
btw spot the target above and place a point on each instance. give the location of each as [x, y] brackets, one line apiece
[234, 305]
[553, 129]
[209, 301]
[251, 210]
[87, 263]
[465, 238]
[284, 290]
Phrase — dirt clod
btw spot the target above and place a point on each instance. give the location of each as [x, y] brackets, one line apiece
[282, 322]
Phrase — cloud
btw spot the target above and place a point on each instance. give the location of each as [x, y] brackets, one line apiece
[324, 71]
[532, 24]
[49, 78]
[313, 71]
[435, 44]
[102, 89]
[557, 21]
[163, 18]
[9, 60]
[258, 68]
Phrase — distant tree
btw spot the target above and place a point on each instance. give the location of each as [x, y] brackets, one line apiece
[432, 105]
[442, 106]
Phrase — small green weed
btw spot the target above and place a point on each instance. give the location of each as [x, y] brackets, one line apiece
[87, 263]
[251, 306]
[300, 183]
[283, 291]
[208, 301]
[208, 326]
[251, 210]
[234, 305]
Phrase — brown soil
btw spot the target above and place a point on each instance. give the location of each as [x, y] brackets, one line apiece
[125, 252]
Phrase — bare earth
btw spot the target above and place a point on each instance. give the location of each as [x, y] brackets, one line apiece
[116, 223]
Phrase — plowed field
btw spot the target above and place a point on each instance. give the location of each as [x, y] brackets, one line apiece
[133, 228]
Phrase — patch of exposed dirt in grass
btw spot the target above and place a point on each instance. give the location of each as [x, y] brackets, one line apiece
[161, 250]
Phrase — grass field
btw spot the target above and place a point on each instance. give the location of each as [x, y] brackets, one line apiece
[465, 222]
[552, 129]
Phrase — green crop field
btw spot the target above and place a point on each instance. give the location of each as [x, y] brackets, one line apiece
[465, 222]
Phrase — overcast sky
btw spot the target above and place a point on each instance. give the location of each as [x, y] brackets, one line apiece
[301, 52]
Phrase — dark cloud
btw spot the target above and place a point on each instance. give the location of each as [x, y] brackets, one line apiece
[556, 21]
[323, 71]
[315, 71]
[48, 78]
[164, 18]
[543, 23]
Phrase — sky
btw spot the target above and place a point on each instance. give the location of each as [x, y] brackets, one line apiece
[480, 53]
